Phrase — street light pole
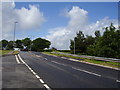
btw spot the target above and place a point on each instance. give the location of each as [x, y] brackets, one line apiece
[74, 45]
[14, 34]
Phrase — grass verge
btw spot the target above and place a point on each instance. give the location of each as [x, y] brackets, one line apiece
[105, 63]
[4, 52]
[15, 52]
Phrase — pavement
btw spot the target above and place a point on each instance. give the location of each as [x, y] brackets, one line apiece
[16, 75]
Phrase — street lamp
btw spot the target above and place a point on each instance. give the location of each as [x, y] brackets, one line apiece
[74, 45]
[14, 34]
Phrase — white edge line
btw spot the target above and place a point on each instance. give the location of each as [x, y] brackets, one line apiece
[17, 59]
[47, 86]
[37, 76]
[41, 81]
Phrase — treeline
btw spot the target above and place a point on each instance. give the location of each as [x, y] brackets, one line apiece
[26, 44]
[106, 45]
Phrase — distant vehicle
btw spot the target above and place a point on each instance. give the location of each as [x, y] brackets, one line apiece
[25, 49]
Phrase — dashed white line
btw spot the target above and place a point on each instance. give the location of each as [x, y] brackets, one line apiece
[17, 59]
[45, 85]
[37, 76]
[58, 63]
[86, 71]
[45, 58]
[118, 81]
[41, 81]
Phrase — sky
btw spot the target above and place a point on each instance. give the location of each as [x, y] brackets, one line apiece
[56, 21]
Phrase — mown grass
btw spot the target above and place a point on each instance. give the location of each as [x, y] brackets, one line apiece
[4, 52]
[15, 52]
[105, 63]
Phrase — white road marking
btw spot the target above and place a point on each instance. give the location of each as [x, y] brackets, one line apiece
[21, 59]
[37, 76]
[64, 58]
[45, 85]
[41, 81]
[45, 58]
[58, 63]
[38, 56]
[17, 59]
[118, 81]
[86, 71]
[73, 59]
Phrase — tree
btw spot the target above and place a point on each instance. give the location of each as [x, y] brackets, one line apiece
[39, 44]
[26, 43]
[4, 43]
[108, 44]
[97, 34]
[10, 45]
[80, 46]
[19, 44]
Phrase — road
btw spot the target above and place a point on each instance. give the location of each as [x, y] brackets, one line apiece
[57, 72]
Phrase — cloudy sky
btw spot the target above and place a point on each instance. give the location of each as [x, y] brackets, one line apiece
[57, 22]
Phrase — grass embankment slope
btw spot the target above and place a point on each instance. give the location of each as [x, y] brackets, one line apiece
[105, 63]
[4, 52]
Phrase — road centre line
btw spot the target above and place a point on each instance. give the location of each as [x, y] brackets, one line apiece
[45, 85]
[17, 59]
[58, 63]
[86, 71]
[118, 81]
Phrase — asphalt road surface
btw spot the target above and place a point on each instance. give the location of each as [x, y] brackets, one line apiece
[57, 72]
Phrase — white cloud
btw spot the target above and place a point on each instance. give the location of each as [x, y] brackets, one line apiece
[27, 18]
[78, 20]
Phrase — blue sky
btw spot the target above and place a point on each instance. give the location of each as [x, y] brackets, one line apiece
[57, 21]
[52, 12]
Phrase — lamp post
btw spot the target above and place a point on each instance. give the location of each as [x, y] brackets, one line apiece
[74, 45]
[14, 34]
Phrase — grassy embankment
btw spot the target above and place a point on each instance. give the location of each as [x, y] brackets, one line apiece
[4, 52]
[105, 63]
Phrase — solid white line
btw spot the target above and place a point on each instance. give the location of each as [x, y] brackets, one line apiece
[117, 81]
[86, 71]
[47, 86]
[41, 81]
[21, 59]
[17, 59]
[73, 59]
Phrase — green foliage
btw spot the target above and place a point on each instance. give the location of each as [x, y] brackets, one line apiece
[107, 45]
[4, 43]
[39, 44]
[80, 45]
[10, 45]
[26, 42]
[18, 44]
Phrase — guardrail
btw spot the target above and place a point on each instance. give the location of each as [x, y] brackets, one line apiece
[91, 57]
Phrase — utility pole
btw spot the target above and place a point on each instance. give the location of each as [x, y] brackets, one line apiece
[14, 34]
[74, 45]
